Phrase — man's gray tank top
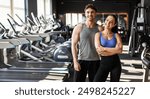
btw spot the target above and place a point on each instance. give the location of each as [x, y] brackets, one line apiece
[87, 50]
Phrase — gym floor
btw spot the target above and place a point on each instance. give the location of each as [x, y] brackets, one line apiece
[131, 67]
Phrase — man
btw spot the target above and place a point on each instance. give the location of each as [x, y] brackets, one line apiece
[87, 61]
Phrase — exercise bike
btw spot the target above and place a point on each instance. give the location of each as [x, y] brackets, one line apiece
[60, 53]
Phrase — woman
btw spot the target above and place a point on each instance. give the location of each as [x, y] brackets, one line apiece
[108, 44]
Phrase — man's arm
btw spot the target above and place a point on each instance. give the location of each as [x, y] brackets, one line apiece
[74, 43]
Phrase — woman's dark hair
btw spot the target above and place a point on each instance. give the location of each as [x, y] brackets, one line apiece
[115, 29]
[90, 6]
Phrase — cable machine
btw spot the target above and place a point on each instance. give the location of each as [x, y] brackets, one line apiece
[139, 28]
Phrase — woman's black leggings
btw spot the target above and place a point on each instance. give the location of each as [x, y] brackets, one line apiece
[108, 64]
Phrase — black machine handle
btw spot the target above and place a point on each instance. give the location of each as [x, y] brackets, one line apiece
[20, 19]
[14, 20]
[12, 26]
[30, 21]
[3, 26]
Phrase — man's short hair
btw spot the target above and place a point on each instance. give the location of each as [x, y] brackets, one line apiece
[90, 6]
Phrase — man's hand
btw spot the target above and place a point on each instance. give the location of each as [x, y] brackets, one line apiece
[77, 66]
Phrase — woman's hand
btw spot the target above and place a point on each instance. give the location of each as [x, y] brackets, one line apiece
[100, 50]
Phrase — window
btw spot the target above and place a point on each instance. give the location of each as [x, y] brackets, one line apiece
[44, 7]
[11, 7]
[74, 18]
[68, 19]
[4, 9]
[19, 9]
